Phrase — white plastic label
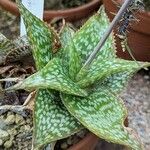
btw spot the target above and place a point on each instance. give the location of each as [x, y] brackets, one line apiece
[34, 6]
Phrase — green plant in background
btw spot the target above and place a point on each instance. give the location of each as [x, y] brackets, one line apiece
[69, 98]
[147, 4]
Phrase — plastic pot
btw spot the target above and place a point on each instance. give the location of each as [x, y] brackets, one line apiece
[70, 14]
[138, 36]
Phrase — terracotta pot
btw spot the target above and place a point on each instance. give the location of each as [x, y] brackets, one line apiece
[88, 143]
[138, 36]
[70, 14]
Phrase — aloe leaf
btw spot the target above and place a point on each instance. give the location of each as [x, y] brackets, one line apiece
[52, 120]
[117, 82]
[102, 69]
[74, 63]
[103, 114]
[52, 76]
[66, 34]
[41, 37]
[89, 35]
[66, 37]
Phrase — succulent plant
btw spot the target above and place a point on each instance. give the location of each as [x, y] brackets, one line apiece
[71, 97]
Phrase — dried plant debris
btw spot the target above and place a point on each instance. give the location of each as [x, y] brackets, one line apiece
[7, 73]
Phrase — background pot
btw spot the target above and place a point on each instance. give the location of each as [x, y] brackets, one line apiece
[70, 14]
[139, 33]
[88, 143]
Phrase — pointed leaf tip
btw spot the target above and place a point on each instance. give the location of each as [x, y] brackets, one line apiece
[42, 38]
[52, 76]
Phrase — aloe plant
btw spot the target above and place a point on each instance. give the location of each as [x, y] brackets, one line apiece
[70, 97]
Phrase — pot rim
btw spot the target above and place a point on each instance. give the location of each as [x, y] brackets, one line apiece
[71, 13]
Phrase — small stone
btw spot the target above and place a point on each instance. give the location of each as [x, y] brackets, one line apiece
[69, 141]
[146, 77]
[64, 145]
[22, 129]
[12, 132]
[81, 134]
[1, 117]
[1, 142]
[28, 121]
[4, 135]
[3, 124]
[75, 140]
[8, 143]
[19, 119]
[27, 128]
[9, 113]
[10, 119]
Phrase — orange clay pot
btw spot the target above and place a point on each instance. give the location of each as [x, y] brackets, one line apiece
[71, 14]
[138, 36]
[88, 143]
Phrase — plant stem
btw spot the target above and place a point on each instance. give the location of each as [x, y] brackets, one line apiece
[107, 33]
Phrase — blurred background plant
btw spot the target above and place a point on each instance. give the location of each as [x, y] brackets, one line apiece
[147, 5]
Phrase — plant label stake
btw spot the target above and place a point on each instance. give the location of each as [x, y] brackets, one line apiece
[35, 7]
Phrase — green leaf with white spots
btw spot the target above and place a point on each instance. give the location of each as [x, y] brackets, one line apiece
[89, 35]
[66, 37]
[52, 76]
[41, 37]
[100, 70]
[52, 120]
[117, 82]
[66, 34]
[74, 62]
[103, 114]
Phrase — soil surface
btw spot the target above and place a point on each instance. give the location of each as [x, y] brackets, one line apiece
[136, 97]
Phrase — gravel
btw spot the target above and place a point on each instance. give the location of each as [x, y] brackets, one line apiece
[137, 100]
[15, 131]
